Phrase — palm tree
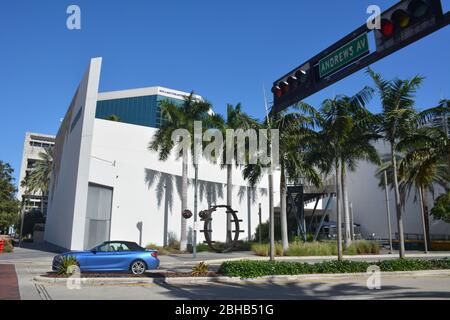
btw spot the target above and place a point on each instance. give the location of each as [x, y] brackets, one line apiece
[424, 166]
[295, 131]
[358, 145]
[179, 117]
[38, 180]
[347, 130]
[441, 209]
[236, 119]
[397, 117]
[113, 117]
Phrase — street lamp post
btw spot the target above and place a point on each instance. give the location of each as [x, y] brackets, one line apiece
[195, 211]
[388, 213]
[260, 223]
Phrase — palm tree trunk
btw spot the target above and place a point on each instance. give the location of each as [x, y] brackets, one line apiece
[166, 218]
[42, 202]
[347, 230]
[271, 219]
[283, 195]
[422, 215]
[398, 205]
[338, 212]
[184, 205]
[229, 199]
[426, 218]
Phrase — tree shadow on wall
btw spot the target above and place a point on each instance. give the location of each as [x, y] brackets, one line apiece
[165, 184]
[212, 191]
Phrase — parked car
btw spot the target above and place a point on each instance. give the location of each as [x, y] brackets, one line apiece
[112, 256]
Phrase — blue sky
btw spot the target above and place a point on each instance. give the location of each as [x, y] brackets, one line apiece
[224, 50]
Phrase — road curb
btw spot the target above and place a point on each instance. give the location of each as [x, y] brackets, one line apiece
[222, 279]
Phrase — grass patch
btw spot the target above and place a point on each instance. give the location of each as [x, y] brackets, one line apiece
[163, 251]
[312, 249]
[326, 248]
[363, 247]
[253, 269]
[263, 249]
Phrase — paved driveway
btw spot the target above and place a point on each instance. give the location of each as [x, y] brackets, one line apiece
[392, 287]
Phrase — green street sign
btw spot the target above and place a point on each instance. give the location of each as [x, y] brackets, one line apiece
[344, 55]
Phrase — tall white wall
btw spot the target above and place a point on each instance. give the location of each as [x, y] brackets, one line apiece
[120, 159]
[68, 191]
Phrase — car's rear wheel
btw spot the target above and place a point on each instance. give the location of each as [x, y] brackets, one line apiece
[138, 267]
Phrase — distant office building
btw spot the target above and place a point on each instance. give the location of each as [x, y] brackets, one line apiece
[34, 144]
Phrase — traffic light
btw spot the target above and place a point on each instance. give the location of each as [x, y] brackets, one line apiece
[297, 84]
[401, 25]
[402, 21]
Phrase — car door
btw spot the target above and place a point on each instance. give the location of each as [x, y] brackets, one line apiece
[125, 256]
[103, 258]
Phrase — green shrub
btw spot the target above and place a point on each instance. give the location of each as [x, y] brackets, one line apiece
[8, 248]
[200, 269]
[254, 269]
[66, 263]
[203, 247]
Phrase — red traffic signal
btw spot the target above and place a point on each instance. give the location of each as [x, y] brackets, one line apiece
[405, 15]
[387, 28]
[276, 90]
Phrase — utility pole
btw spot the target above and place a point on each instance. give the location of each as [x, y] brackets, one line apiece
[249, 213]
[260, 223]
[271, 209]
[388, 213]
[195, 211]
[271, 218]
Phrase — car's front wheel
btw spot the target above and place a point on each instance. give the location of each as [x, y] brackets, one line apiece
[138, 267]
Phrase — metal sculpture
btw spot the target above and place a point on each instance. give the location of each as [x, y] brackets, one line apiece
[187, 214]
[206, 216]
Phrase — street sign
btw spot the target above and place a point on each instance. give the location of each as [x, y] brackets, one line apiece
[403, 24]
[343, 56]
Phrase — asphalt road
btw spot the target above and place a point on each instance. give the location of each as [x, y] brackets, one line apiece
[392, 287]
[30, 263]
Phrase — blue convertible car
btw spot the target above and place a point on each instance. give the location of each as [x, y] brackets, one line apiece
[113, 256]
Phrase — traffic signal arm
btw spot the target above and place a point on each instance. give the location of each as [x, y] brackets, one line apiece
[402, 24]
